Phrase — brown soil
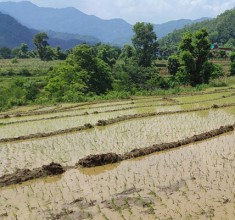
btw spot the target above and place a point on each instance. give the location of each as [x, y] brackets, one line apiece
[24, 175]
[99, 160]
[49, 134]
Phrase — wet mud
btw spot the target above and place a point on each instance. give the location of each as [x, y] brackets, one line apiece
[24, 175]
[99, 160]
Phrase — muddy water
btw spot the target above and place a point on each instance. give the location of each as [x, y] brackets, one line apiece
[119, 138]
[193, 182]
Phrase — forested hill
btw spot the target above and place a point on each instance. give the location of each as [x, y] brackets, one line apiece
[221, 30]
[164, 29]
[12, 33]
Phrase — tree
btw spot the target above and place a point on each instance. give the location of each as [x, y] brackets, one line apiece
[99, 72]
[187, 43]
[145, 43]
[194, 54]
[81, 73]
[201, 53]
[44, 51]
[66, 83]
[232, 65]
[24, 48]
[5, 53]
[173, 64]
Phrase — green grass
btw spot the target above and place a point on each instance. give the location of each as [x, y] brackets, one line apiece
[25, 67]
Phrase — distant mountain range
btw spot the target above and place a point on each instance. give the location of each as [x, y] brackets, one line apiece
[12, 34]
[74, 25]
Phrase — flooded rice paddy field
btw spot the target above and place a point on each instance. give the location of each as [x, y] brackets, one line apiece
[44, 123]
[192, 182]
[118, 138]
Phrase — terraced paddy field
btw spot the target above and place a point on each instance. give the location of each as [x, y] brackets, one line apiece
[161, 157]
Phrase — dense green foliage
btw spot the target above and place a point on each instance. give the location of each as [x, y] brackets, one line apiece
[191, 66]
[83, 72]
[145, 43]
[232, 65]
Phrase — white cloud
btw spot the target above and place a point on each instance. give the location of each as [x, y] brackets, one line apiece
[155, 11]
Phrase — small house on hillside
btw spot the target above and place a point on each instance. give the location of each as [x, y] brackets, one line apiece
[220, 52]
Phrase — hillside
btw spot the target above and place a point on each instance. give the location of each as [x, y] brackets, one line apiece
[12, 33]
[73, 22]
[221, 30]
[164, 29]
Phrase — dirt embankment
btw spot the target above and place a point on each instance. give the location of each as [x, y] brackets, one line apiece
[103, 159]
[129, 117]
[49, 134]
[24, 175]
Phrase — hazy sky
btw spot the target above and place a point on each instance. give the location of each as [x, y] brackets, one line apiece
[155, 11]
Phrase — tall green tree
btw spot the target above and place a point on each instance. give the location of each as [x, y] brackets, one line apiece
[173, 64]
[194, 55]
[232, 65]
[44, 51]
[99, 72]
[201, 54]
[145, 43]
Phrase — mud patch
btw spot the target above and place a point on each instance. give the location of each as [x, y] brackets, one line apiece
[99, 160]
[125, 202]
[21, 176]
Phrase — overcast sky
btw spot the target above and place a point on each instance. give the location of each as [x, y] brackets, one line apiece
[154, 11]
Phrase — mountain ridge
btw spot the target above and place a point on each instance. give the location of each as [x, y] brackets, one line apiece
[73, 21]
